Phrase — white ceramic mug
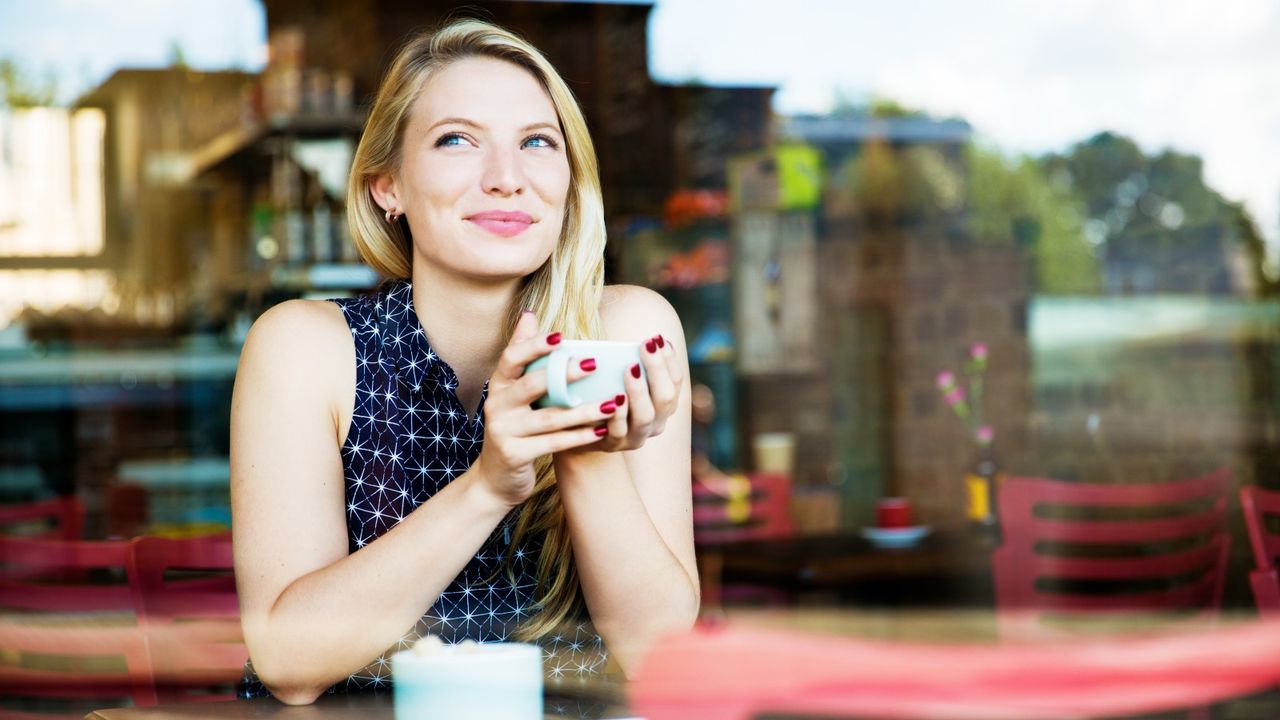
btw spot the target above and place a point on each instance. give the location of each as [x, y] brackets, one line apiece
[613, 361]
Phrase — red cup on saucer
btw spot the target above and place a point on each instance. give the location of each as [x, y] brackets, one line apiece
[893, 512]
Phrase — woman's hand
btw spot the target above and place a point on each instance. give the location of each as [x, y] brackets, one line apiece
[514, 433]
[643, 411]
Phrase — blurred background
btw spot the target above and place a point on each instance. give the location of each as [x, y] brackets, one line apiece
[1073, 209]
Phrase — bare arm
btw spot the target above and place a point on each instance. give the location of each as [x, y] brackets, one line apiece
[312, 613]
[629, 513]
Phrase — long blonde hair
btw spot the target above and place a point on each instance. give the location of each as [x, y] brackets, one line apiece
[565, 292]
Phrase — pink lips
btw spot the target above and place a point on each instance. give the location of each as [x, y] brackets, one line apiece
[506, 224]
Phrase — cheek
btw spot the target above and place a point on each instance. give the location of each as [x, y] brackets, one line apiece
[443, 182]
[552, 182]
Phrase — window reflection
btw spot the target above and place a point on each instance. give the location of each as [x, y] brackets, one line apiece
[831, 270]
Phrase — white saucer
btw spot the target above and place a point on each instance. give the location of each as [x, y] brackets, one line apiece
[896, 537]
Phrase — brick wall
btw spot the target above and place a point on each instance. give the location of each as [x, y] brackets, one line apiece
[901, 301]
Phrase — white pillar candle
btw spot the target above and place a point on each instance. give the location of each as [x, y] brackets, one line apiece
[468, 681]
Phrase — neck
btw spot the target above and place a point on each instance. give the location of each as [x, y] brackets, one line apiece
[465, 320]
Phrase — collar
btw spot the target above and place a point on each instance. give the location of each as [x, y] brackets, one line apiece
[415, 364]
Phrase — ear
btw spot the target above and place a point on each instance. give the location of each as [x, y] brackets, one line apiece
[383, 188]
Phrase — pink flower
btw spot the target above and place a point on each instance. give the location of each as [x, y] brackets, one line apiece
[978, 351]
[955, 396]
[946, 380]
[985, 435]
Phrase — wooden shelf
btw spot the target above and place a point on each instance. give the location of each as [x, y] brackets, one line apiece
[234, 144]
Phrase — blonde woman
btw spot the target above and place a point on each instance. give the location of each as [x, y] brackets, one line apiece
[389, 477]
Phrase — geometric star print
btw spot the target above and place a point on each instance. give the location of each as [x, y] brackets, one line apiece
[410, 436]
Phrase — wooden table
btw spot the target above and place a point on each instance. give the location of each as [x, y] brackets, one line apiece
[949, 567]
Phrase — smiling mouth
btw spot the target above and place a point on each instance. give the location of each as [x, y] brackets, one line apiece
[503, 224]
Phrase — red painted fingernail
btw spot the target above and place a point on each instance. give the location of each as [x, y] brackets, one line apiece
[553, 338]
[651, 346]
[661, 342]
[608, 407]
[620, 400]
[602, 431]
[589, 364]
[635, 370]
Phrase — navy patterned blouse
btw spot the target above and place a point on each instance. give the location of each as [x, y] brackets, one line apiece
[409, 437]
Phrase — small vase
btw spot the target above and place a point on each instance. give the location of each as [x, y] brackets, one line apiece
[982, 483]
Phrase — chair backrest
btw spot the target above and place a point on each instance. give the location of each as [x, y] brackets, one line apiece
[751, 507]
[1257, 505]
[64, 575]
[77, 635]
[192, 621]
[88, 658]
[1071, 547]
[60, 518]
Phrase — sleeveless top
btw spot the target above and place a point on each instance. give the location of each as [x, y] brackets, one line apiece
[409, 437]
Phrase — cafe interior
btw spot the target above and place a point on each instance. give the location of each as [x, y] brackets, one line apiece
[978, 432]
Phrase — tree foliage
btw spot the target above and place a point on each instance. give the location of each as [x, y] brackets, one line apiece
[1158, 224]
[19, 88]
[1014, 197]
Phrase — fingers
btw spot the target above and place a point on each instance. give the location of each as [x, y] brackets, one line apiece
[525, 346]
[552, 420]
[616, 427]
[663, 389]
[526, 327]
[640, 410]
[533, 385]
[563, 440]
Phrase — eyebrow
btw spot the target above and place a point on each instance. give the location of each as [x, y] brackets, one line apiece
[478, 126]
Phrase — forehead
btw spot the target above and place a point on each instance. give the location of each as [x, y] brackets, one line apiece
[492, 92]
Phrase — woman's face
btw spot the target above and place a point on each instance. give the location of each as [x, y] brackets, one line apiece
[484, 172]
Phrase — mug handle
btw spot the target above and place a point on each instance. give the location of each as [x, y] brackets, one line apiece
[557, 382]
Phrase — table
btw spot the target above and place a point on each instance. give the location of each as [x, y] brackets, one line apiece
[937, 628]
[570, 701]
[949, 567]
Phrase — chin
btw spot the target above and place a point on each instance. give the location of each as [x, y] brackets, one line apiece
[489, 262]
[506, 268]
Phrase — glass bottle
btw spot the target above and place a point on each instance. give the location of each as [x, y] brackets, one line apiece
[982, 483]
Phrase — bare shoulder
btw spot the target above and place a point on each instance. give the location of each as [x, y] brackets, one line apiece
[631, 312]
[300, 341]
[309, 323]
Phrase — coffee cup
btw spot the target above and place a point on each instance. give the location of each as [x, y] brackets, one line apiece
[893, 512]
[775, 452]
[614, 361]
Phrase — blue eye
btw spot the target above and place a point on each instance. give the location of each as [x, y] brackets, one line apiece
[541, 141]
[450, 139]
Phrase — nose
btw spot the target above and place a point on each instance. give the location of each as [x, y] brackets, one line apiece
[503, 174]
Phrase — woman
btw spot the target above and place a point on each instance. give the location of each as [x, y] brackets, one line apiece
[389, 477]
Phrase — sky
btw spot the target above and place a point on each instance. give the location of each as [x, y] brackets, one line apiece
[1196, 76]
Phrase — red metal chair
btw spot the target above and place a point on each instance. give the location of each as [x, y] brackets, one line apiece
[60, 518]
[186, 598]
[1257, 505]
[64, 575]
[1074, 548]
[736, 508]
[74, 633]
